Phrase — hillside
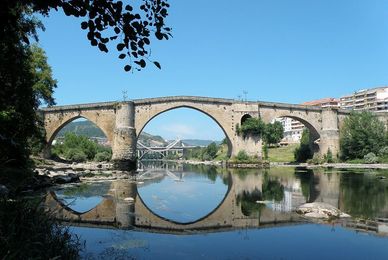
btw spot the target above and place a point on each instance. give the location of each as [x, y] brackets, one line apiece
[89, 129]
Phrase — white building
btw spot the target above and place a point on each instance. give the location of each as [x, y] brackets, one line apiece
[375, 99]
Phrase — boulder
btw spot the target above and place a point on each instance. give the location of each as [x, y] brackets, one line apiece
[320, 210]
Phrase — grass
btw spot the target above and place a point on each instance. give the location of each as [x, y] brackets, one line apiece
[282, 154]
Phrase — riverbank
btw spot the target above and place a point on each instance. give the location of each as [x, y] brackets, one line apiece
[331, 165]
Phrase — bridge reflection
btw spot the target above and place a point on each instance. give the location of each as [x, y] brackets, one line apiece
[252, 200]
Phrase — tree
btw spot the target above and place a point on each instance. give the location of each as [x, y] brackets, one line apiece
[362, 133]
[273, 133]
[21, 89]
[44, 83]
[303, 152]
[129, 25]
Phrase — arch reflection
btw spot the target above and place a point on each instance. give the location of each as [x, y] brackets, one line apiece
[255, 199]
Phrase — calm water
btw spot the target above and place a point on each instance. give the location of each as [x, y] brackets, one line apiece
[191, 212]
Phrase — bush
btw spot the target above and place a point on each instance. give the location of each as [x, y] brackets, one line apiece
[384, 151]
[317, 159]
[76, 155]
[27, 231]
[102, 156]
[303, 152]
[328, 157]
[76, 148]
[371, 158]
[242, 156]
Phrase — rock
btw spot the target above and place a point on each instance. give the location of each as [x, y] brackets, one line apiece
[320, 210]
[74, 177]
[4, 191]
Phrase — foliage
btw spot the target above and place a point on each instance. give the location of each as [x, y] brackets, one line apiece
[17, 98]
[44, 83]
[363, 196]
[328, 157]
[251, 127]
[272, 189]
[26, 78]
[75, 155]
[273, 133]
[247, 201]
[242, 156]
[316, 160]
[130, 26]
[303, 152]
[371, 158]
[27, 231]
[80, 148]
[207, 153]
[362, 133]
[265, 151]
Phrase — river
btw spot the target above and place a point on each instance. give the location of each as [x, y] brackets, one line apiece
[171, 211]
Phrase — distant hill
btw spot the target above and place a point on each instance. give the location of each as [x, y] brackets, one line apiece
[86, 128]
[89, 129]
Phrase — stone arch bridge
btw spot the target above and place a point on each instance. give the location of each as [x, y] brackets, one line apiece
[122, 122]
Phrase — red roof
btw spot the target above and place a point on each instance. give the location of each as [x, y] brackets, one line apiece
[321, 101]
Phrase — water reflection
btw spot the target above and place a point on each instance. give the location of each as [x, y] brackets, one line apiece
[207, 199]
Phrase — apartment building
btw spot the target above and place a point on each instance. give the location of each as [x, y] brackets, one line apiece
[375, 99]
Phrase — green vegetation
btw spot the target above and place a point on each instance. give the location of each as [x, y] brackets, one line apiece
[251, 127]
[30, 232]
[362, 195]
[363, 136]
[271, 133]
[272, 188]
[79, 148]
[303, 152]
[207, 153]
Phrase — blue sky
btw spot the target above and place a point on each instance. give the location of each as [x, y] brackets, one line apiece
[276, 50]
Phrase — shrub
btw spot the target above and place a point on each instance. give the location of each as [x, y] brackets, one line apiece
[317, 159]
[242, 156]
[384, 151]
[76, 155]
[102, 156]
[328, 157]
[371, 158]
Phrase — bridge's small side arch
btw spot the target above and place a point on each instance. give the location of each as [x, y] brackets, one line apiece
[244, 118]
[71, 119]
[141, 124]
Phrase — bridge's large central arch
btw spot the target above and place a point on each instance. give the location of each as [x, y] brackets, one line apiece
[143, 119]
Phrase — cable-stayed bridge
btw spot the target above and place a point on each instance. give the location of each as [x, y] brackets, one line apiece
[175, 147]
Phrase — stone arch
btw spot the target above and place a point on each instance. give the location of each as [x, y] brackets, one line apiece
[61, 126]
[142, 121]
[55, 121]
[244, 118]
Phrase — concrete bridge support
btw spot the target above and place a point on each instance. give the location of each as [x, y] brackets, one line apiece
[124, 138]
[329, 133]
